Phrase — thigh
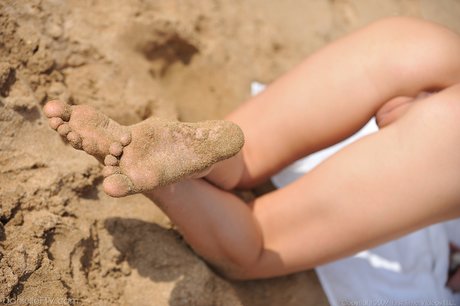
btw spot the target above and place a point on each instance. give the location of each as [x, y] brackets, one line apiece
[334, 92]
[402, 178]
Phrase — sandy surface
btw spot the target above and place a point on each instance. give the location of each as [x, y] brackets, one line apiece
[61, 237]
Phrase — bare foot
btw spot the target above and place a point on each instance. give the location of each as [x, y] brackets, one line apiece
[152, 153]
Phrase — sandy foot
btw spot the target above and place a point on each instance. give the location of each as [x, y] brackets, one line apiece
[152, 153]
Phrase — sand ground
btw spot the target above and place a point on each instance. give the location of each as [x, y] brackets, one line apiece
[61, 237]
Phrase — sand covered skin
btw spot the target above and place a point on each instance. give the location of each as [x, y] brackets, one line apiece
[60, 235]
[143, 156]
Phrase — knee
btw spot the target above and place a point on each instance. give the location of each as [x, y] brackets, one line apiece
[416, 35]
[425, 53]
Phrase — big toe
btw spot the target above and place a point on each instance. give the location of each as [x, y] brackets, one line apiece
[57, 108]
[117, 185]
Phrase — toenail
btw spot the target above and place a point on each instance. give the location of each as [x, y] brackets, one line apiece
[63, 129]
[125, 139]
[55, 122]
[116, 149]
[110, 160]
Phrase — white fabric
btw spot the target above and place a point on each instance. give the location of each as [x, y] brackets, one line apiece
[411, 270]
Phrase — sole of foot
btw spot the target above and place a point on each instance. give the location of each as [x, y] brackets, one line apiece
[152, 153]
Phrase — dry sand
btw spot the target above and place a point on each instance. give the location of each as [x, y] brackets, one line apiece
[61, 237]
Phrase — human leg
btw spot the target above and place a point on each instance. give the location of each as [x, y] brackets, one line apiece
[307, 109]
[313, 207]
[388, 184]
[334, 92]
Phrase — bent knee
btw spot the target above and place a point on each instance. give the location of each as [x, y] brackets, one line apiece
[417, 34]
[417, 52]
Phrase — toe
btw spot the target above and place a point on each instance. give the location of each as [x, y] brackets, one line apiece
[126, 139]
[55, 122]
[110, 160]
[63, 129]
[117, 185]
[116, 149]
[74, 139]
[110, 170]
[57, 108]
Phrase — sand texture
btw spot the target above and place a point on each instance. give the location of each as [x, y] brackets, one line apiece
[60, 235]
